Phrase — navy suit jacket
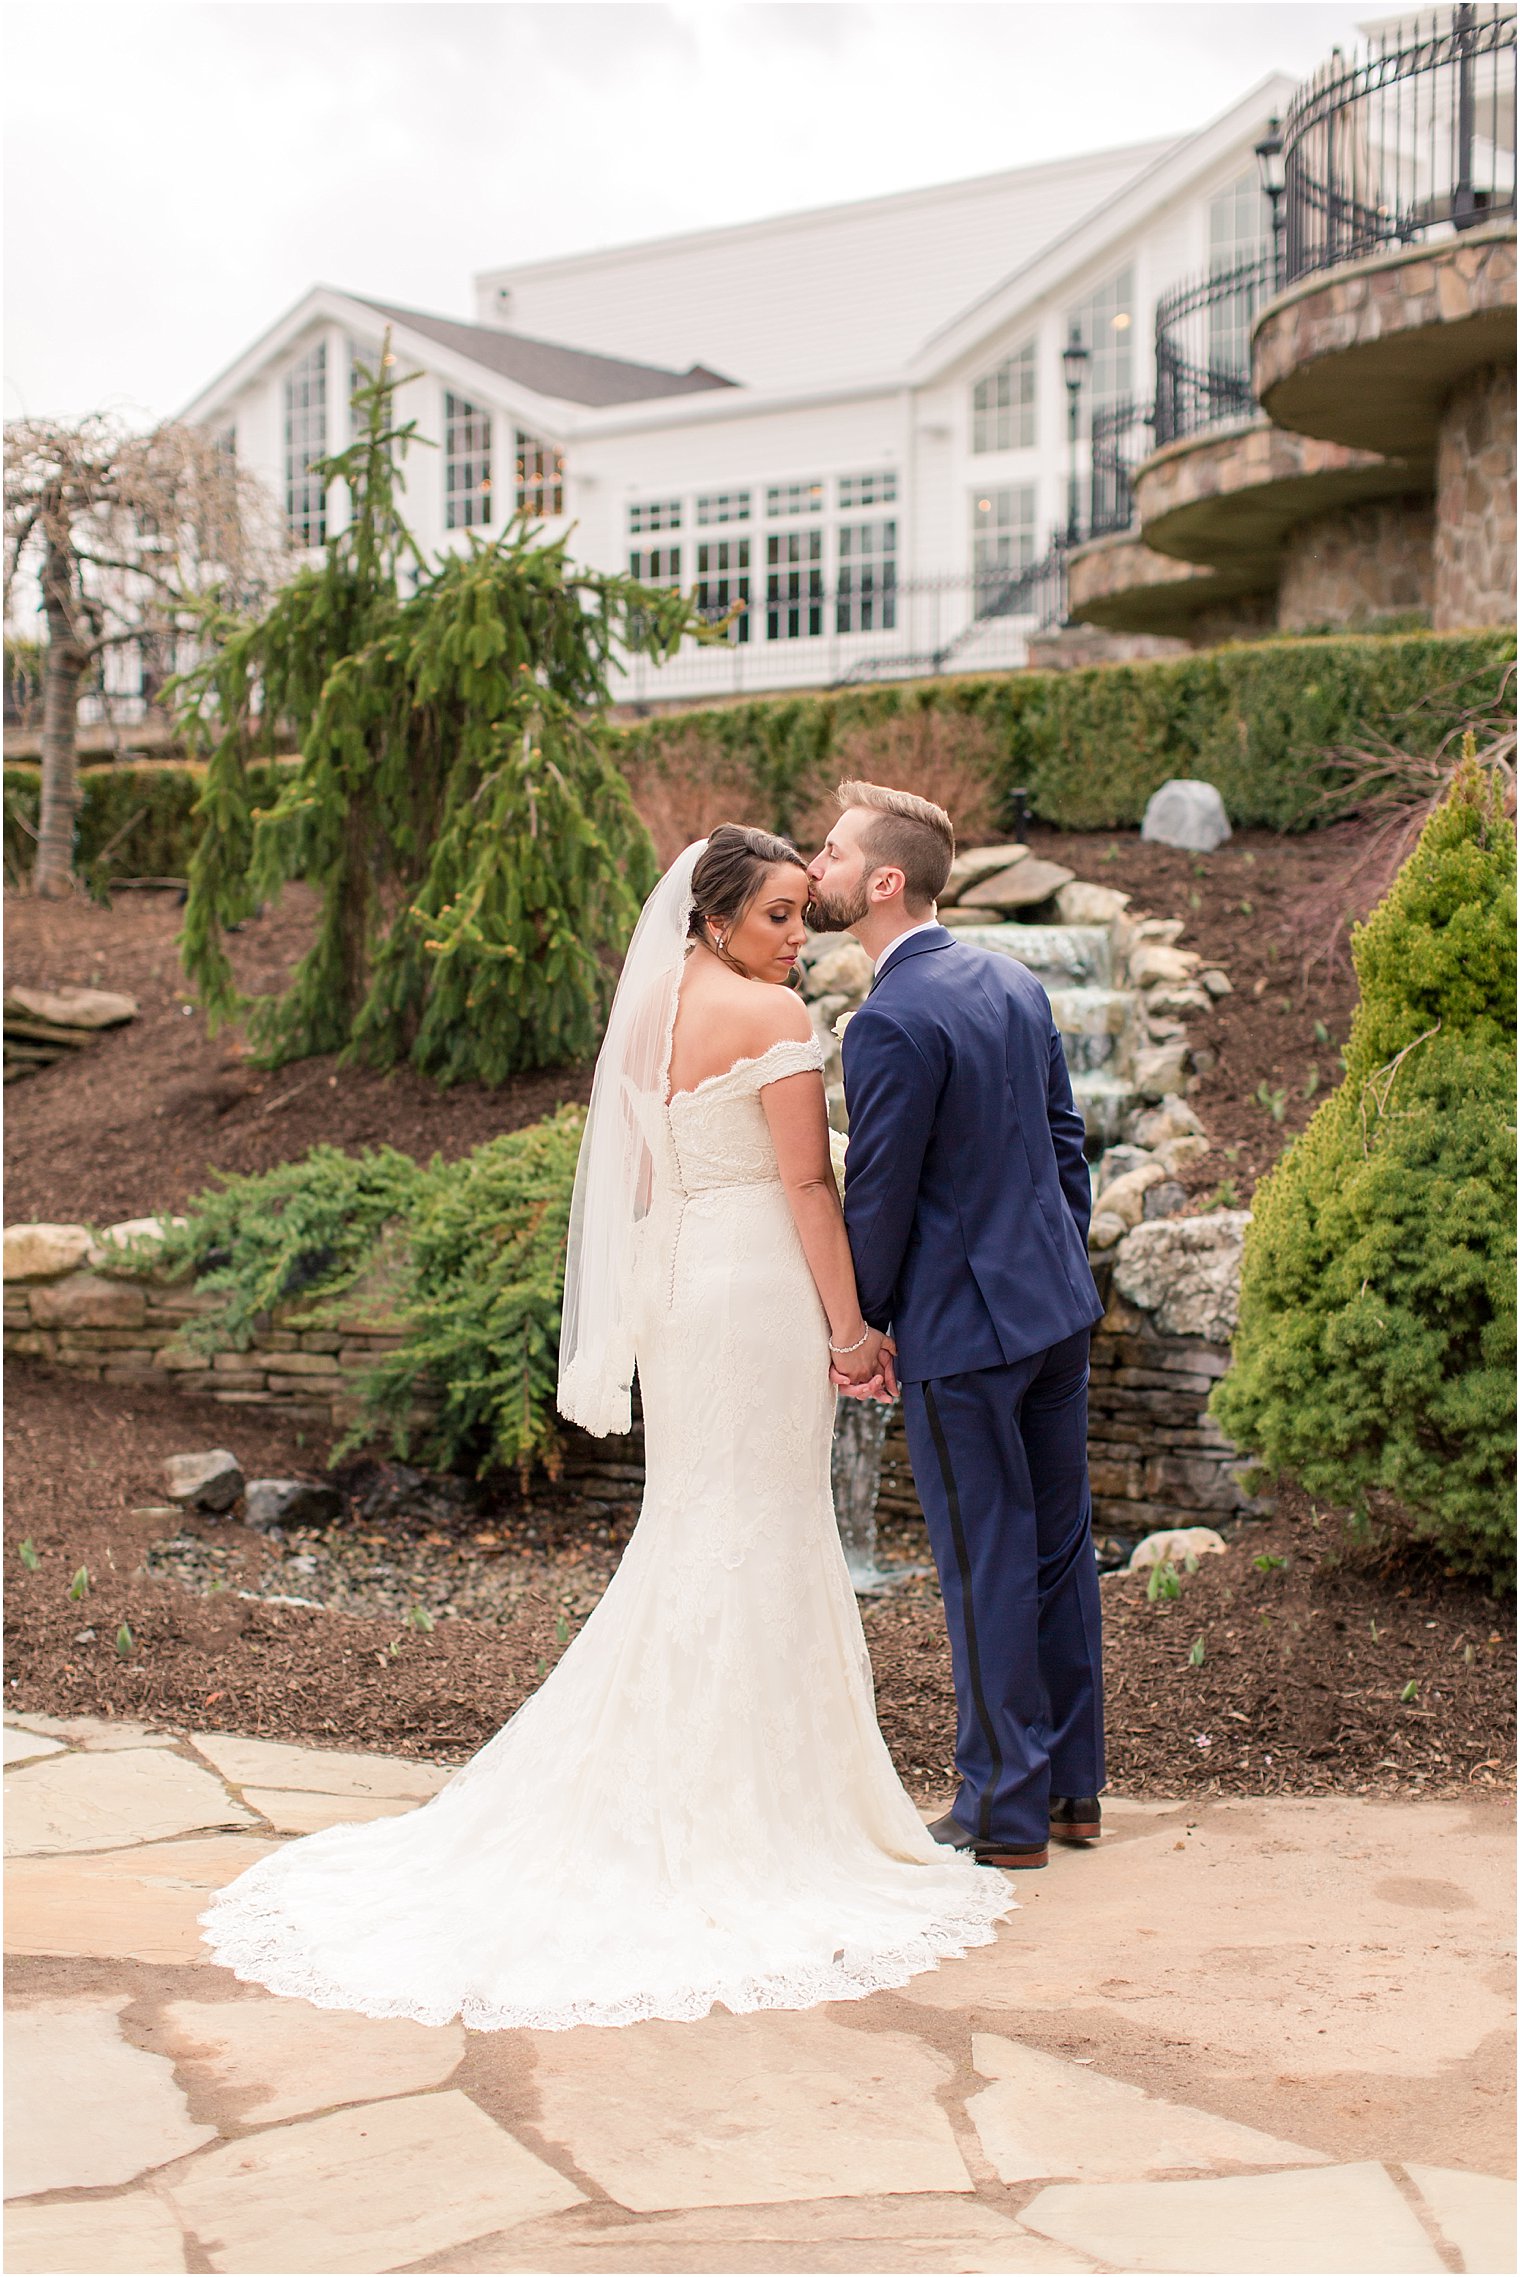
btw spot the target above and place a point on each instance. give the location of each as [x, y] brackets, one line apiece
[967, 1193]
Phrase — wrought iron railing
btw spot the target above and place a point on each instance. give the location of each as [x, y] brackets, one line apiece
[1203, 348]
[1121, 438]
[1410, 139]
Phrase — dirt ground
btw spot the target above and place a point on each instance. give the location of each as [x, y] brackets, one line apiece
[139, 1122]
[1308, 1654]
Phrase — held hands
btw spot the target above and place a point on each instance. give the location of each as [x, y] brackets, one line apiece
[869, 1372]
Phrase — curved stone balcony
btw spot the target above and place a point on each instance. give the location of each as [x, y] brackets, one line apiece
[1368, 355]
[1117, 582]
[1226, 499]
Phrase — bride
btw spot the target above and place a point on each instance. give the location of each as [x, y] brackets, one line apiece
[697, 1805]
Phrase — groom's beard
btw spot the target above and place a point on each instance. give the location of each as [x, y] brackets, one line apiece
[836, 916]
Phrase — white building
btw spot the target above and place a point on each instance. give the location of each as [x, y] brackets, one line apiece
[852, 420]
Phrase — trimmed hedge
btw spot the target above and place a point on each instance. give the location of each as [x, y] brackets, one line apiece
[134, 822]
[1090, 746]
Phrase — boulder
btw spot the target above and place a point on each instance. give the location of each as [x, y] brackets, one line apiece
[1153, 965]
[1163, 929]
[842, 969]
[1186, 1273]
[73, 1007]
[1117, 1162]
[1082, 904]
[1161, 1069]
[42, 1252]
[128, 1245]
[274, 1502]
[957, 917]
[1174, 1545]
[1163, 1201]
[211, 1480]
[1216, 981]
[1125, 1198]
[1024, 886]
[1105, 1230]
[1174, 1118]
[1186, 813]
[1175, 1154]
[1178, 1003]
[87, 1300]
[979, 862]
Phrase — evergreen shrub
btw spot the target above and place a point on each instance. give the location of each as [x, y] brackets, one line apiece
[1376, 1348]
[1090, 746]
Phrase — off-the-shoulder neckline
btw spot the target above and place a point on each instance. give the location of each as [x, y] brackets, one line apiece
[782, 1043]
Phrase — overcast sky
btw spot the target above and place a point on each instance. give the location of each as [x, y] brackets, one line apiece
[179, 171]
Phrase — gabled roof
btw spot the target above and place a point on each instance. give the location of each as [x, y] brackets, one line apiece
[571, 375]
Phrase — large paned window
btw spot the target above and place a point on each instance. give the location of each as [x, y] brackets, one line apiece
[540, 478]
[654, 514]
[857, 491]
[865, 595]
[783, 499]
[723, 581]
[794, 584]
[717, 506]
[1003, 405]
[1002, 538]
[466, 464]
[655, 565]
[1105, 324]
[1240, 231]
[305, 444]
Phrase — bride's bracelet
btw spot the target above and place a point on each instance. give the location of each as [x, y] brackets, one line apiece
[843, 1351]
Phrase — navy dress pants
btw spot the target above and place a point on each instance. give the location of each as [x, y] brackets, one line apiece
[1000, 1461]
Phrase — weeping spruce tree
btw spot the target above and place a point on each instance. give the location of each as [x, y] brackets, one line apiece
[1376, 1347]
[478, 858]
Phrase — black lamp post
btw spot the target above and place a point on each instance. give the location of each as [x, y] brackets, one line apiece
[1074, 360]
[1269, 158]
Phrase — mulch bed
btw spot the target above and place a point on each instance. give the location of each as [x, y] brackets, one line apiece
[1304, 1684]
[141, 1121]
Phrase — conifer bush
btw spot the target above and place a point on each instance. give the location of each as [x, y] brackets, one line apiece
[456, 806]
[1376, 1348]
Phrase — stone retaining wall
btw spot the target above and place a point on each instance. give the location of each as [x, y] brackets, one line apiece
[1157, 1458]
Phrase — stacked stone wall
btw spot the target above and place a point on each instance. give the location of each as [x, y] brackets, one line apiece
[1157, 1459]
[1475, 504]
[1358, 564]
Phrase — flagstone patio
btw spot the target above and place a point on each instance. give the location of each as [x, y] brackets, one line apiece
[1262, 2036]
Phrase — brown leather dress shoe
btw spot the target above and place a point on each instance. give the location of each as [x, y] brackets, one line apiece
[987, 1852]
[1075, 1818]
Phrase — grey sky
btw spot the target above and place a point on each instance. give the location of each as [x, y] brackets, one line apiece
[179, 171]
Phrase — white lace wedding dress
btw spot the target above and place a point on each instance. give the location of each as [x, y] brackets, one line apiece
[697, 1805]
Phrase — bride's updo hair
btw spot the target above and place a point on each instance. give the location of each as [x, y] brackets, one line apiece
[730, 872]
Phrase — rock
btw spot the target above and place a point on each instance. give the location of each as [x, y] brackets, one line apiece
[1186, 1273]
[1186, 813]
[1125, 1197]
[1174, 1118]
[42, 1252]
[979, 862]
[1117, 1162]
[73, 1007]
[844, 969]
[288, 1502]
[1163, 1201]
[1162, 1069]
[1163, 929]
[1217, 982]
[1024, 886]
[1176, 1153]
[85, 1300]
[1105, 1230]
[125, 1247]
[1178, 1003]
[1083, 904]
[1153, 965]
[209, 1481]
[1174, 1545]
[957, 917]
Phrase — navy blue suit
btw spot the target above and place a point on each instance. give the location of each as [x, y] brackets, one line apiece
[967, 1199]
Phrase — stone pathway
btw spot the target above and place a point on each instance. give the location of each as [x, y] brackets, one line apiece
[1248, 2036]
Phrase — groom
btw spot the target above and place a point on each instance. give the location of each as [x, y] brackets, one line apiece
[967, 1200]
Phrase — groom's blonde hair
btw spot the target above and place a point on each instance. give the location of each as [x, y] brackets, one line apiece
[909, 833]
